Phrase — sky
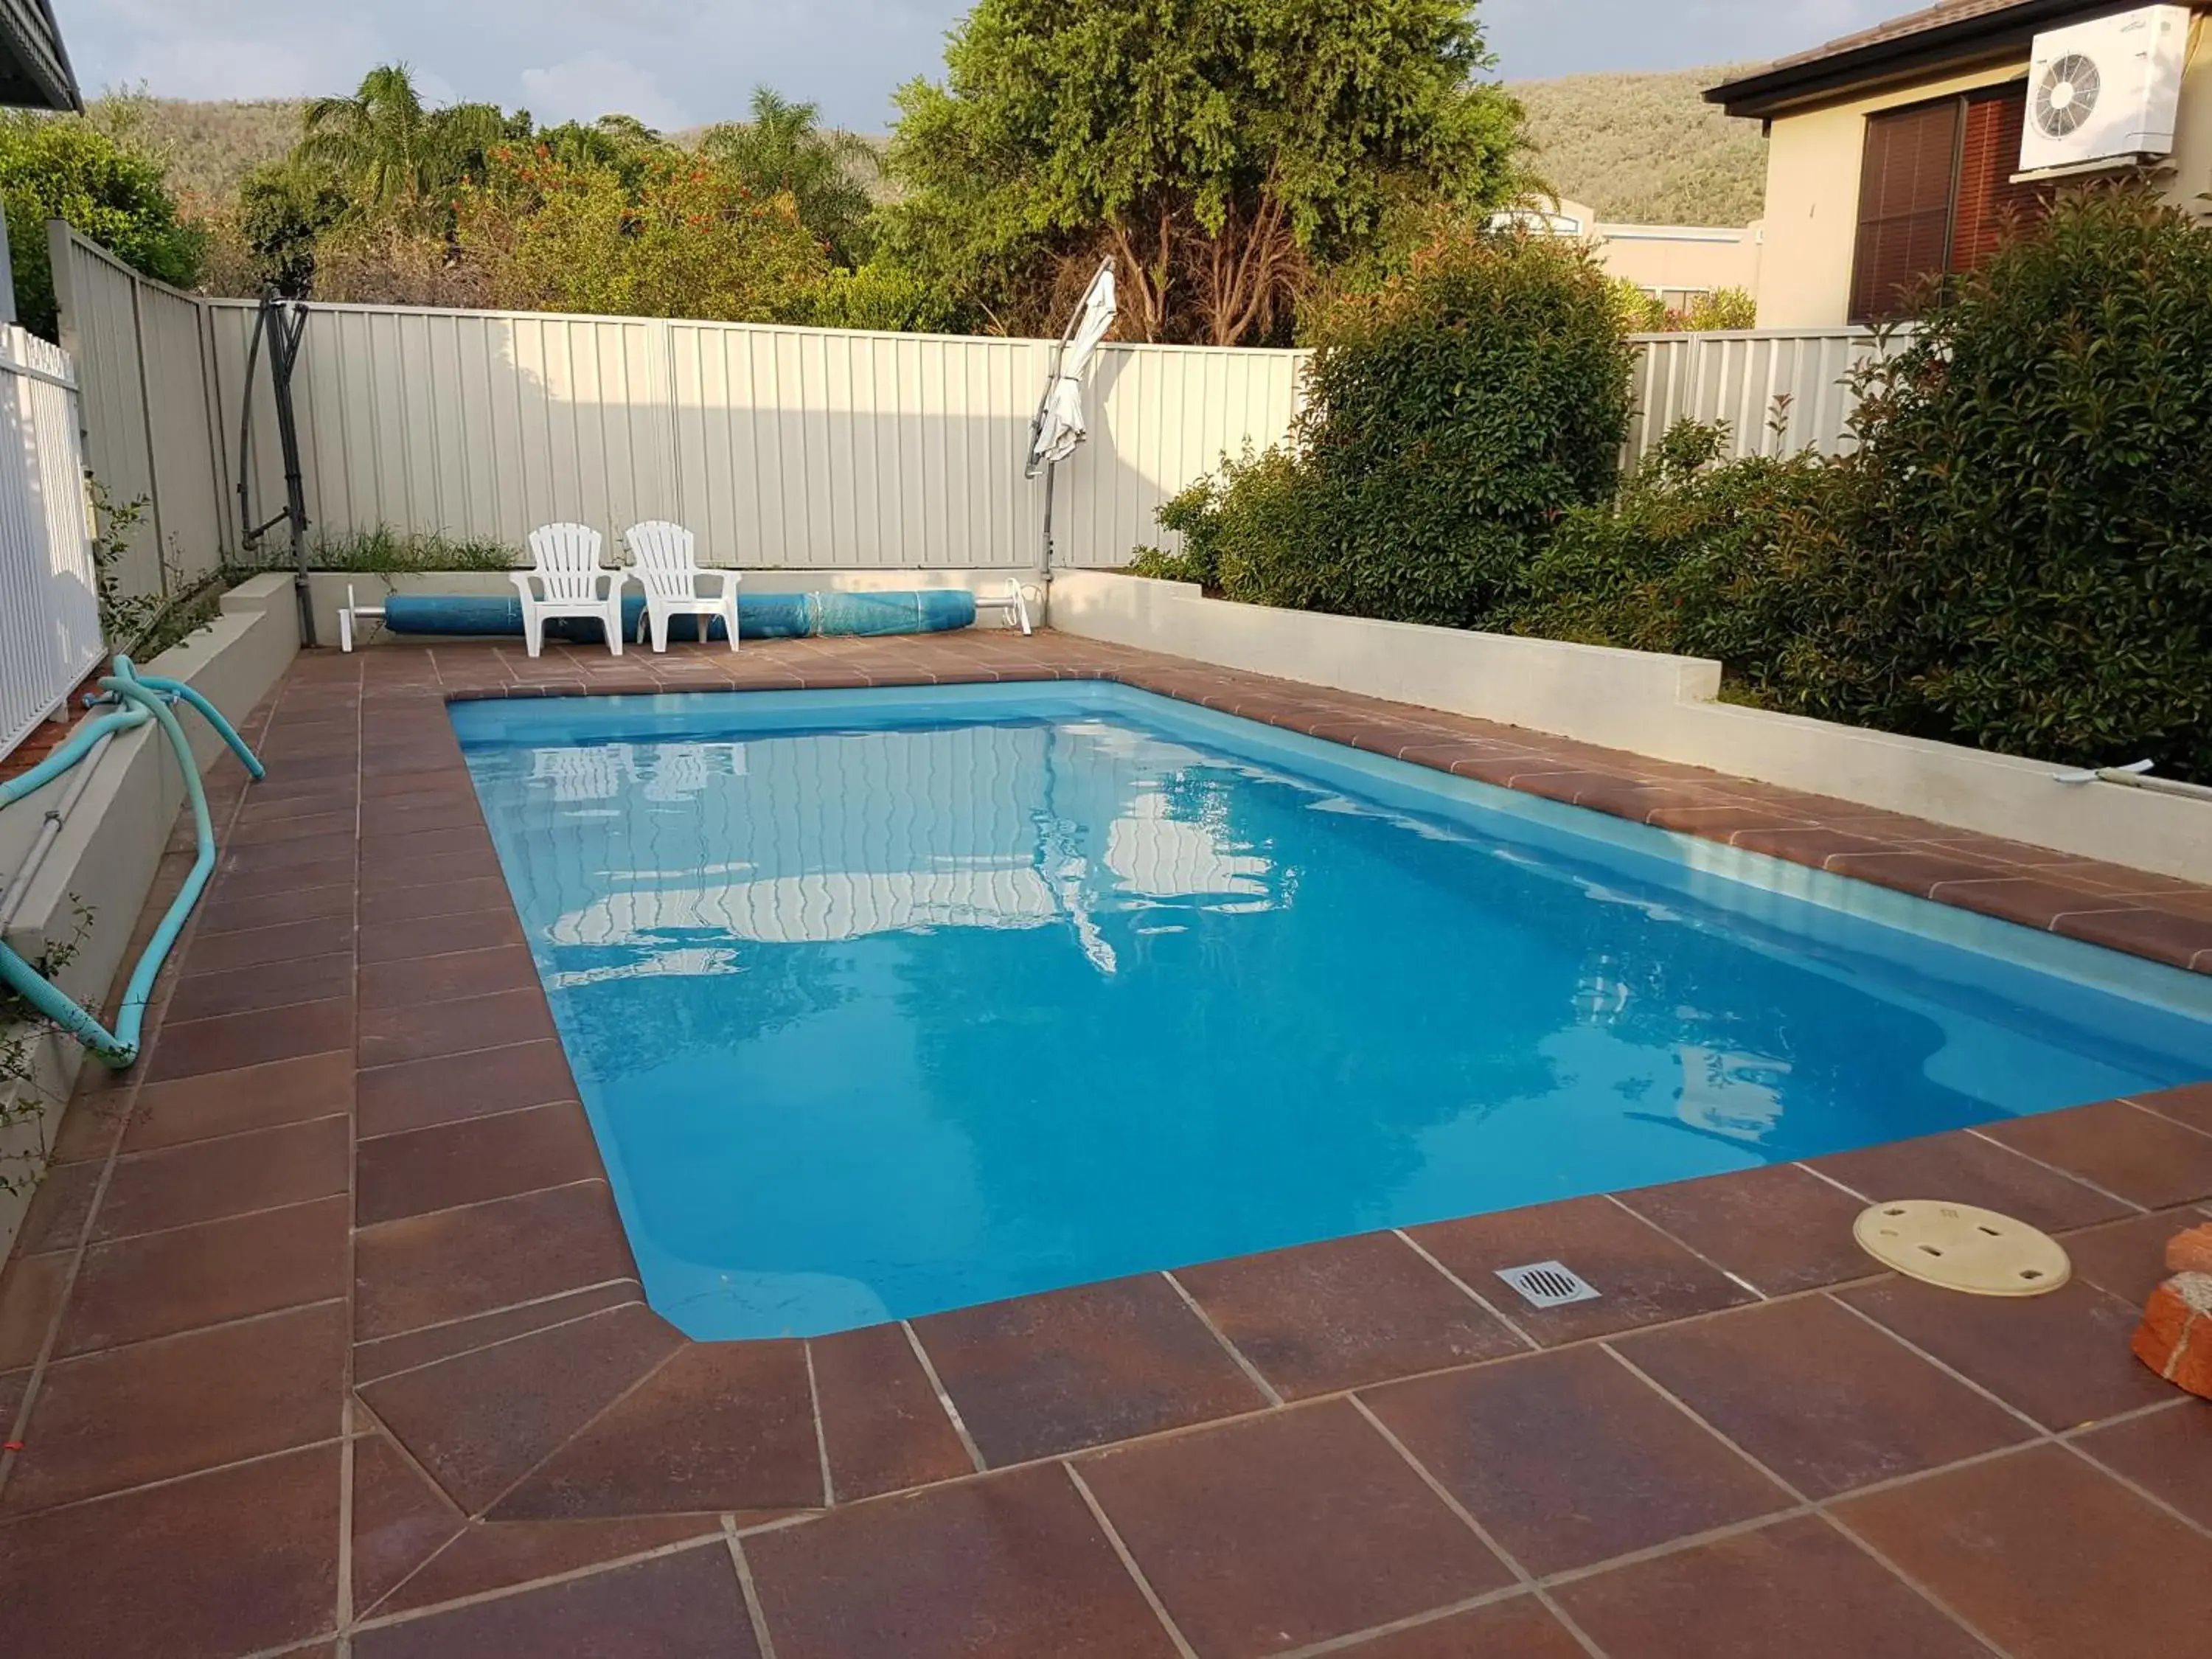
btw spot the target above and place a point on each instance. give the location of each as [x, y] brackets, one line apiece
[681, 63]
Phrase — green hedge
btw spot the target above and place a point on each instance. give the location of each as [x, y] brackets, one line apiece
[2019, 553]
[1451, 418]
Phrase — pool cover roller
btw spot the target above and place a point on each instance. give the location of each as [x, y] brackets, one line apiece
[760, 615]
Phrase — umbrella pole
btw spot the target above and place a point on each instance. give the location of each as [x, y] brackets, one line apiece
[1051, 471]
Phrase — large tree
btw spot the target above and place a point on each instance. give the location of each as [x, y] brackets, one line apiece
[397, 159]
[1223, 152]
[784, 151]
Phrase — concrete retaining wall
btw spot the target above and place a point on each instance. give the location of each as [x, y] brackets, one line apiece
[1651, 704]
[110, 848]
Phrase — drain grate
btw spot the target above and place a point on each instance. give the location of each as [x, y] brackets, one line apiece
[1549, 1283]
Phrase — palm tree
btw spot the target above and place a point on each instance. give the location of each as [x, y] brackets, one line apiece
[783, 149]
[395, 158]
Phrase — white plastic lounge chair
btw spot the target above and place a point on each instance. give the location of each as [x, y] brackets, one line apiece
[665, 564]
[566, 579]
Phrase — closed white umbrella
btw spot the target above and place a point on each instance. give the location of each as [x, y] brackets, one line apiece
[1059, 425]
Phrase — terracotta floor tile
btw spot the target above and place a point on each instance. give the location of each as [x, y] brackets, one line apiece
[253, 929]
[2167, 1453]
[162, 1282]
[1780, 1228]
[392, 1354]
[1967, 1169]
[472, 1161]
[385, 906]
[267, 986]
[415, 1096]
[2128, 1258]
[2163, 935]
[406, 855]
[156, 1410]
[2027, 900]
[1012, 1567]
[463, 973]
[30, 1295]
[439, 934]
[428, 1269]
[274, 857]
[390, 1036]
[400, 1520]
[489, 1556]
[2063, 1358]
[59, 1209]
[718, 1425]
[1515, 1628]
[454, 808]
[1821, 1397]
[684, 1606]
[883, 1425]
[228, 1041]
[2047, 1556]
[1915, 872]
[1286, 1528]
[1322, 1317]
[395, 873]
[1568, 1459]
[1040, 1374]
[208, 1179]
[226, 1563]
[481, 1421]
[229, 1102]
[1815, 847]
[2143, 1157]
[1642, 1276]
[1796, 1589]
[2192, 1105]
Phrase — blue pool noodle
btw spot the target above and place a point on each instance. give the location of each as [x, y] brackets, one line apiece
[760, 615]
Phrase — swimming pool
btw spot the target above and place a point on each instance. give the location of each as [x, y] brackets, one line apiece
[886, 1002]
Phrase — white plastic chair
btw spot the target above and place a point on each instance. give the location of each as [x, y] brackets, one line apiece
[566, 579]
[666, 565]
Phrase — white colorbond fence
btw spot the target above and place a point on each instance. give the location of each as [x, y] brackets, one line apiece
[49, 588]
[1781, 391]
[784, 448]
[144, 358]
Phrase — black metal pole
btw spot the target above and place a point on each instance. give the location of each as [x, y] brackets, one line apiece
[284, 351]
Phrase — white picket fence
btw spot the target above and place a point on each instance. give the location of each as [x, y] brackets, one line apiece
[49, 587]
[790, 448]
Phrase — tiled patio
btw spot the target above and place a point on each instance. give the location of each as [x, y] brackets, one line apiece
[323, 1336]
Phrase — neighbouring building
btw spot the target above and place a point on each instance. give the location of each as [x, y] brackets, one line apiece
[1675, 263]
[1905, 149]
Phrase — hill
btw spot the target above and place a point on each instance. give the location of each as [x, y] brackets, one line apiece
[208, 146]
[1637, 148]
[1645, 148]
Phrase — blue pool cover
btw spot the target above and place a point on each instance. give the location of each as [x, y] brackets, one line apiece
[887, 1002]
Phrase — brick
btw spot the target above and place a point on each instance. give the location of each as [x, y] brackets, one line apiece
[2175, 1337]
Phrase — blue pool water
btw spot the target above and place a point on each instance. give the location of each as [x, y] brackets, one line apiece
[884, 1003]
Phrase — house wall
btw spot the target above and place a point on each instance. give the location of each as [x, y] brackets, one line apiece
[1813, 183]
[1683, 256]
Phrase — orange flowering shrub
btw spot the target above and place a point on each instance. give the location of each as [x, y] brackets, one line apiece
[684, 240]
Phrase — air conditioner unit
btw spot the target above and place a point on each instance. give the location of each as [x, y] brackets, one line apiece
[2104, 90]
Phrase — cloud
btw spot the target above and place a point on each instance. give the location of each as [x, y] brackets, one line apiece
[583, 89]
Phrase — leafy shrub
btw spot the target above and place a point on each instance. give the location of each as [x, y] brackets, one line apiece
[1705, 559]
[1450, 416]
[2039, 457]
[2018, 554]
[1644, 313]
[64, 167]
